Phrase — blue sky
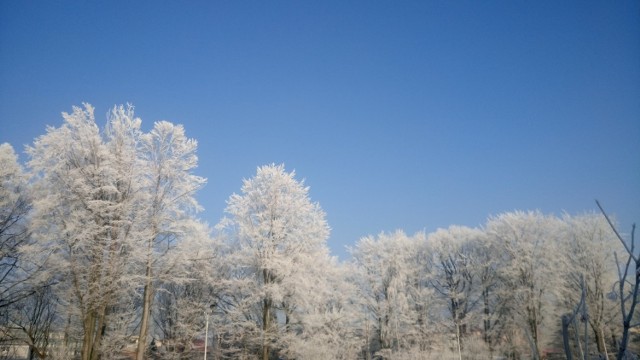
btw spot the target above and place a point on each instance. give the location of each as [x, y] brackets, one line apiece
[399, 114]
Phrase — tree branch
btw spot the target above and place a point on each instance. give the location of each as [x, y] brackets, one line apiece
[630, 251]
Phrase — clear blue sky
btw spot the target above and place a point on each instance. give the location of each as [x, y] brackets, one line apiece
[399, 114]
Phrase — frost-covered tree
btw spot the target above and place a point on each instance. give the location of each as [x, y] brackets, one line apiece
[532, 277]
[421, 294]
[279, 240]
[84, 208]
[454, 275]
[589, 251]
[383, 262]
[184, 300]
[393, 292]
[324, 324]
[111, 207]
[168, 186]
[489, 259]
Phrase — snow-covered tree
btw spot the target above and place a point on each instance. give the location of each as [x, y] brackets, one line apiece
[279, 240]
[185, 300]
[104, 244]
[84, 208]
[589, 251]
[324, 324]
[454, 275]
[420, 293]
[111, 209]
[489, 259]
[393, 293]
[532, 274]
[168, 186]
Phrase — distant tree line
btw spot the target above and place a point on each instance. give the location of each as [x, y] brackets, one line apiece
[103, 256]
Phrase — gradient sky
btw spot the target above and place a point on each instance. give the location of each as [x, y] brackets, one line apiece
[399, 114]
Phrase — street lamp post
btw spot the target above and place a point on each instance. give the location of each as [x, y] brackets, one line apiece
[207, 313]
[206, 333]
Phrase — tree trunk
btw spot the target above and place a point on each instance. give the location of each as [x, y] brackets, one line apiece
[266, 320]
[458, 341]
[565, 337]
[266, 317]
[100, 327]
[146, 309]
[597, 333]
[533, 339]
[626, 324]
[487, 320]
[87, 340]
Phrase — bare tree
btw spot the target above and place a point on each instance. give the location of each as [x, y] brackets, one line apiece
[628, 275]
[32, 320]
[14, 208]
